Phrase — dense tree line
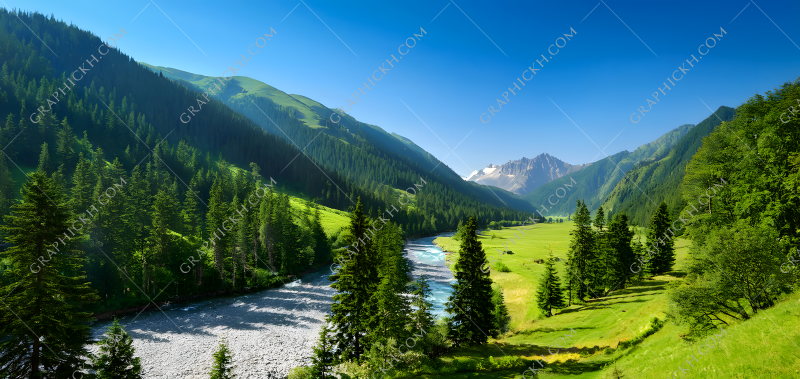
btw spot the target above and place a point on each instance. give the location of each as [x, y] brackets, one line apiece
[381, 317]
[177, 196]
[124, 108]
[745, 228]
[603, 257]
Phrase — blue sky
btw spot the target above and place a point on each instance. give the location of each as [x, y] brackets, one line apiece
[578, 103]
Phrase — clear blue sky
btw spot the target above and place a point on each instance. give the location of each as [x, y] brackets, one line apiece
[473, 51]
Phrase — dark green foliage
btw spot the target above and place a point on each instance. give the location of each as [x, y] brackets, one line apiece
[604, 264]
[621, 254]
[471, 302]
[459, 231]
[499, 313]
[734, 274]
[323, 358]
[223, 362]
[580, 258]
[7, 186]
[65, 139]
[47, 283]
[322, 245]
[83, 182]
[116, 360]
[391, 308]
[660, 239]
[549, 294]
[157, 228]
[741, 187]
[354, 282]
[421, 317]
[45, 165]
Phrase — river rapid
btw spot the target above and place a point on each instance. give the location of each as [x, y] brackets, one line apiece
[268, 331]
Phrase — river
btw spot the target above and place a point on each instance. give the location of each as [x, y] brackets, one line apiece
[268, 331]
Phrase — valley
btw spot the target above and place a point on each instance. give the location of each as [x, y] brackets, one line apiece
[157, 221]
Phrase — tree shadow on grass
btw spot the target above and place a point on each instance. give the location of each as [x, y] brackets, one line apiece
[572, 367]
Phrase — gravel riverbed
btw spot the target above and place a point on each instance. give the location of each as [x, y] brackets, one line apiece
[268, 331]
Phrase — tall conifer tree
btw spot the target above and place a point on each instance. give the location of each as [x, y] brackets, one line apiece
[658, 235]
[471, 302]
[116, 360]
[49, 282]
[620, 239]
[549, 294]
[354, 282]
[580, 255]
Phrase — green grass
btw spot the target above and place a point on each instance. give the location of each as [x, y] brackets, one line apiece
[333, 220]
[765, 346]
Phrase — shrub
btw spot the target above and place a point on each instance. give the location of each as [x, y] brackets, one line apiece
[435, 343]
[302, 372]
[500, 266]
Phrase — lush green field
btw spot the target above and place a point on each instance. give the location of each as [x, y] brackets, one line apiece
[590, 333]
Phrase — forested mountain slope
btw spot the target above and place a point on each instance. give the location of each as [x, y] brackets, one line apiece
[360, 152]
[593, 183]
[125, 109]
[660, 179]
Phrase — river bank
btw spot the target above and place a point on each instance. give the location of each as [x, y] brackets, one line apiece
[268, 331]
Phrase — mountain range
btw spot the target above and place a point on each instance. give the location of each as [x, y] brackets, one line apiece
[631, 182]
[524, 175]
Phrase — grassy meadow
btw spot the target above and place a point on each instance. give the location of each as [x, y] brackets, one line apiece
[590, 333]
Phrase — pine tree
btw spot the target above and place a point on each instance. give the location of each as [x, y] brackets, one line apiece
[354, 282]
[159, 240]
[421, 317]
[189, 212]
[7, 186]
[661, 262]
[64, 141]
[44, 160]
[549, 294]
[136, 220]
[49, 282]
[500, 315]
[323, 358]
[266, 230]
[217, 214]
[389, 317]
[459, 231]
[471, 302]
[223, 362]
[82, 185]
[8, 135]
[620, 239]
[580, 255]
[639, 269]
[322, 246]
[604, 262]
[116, 360]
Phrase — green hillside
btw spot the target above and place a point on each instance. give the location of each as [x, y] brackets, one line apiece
[360, 152]
[596, 181]
[660, 179]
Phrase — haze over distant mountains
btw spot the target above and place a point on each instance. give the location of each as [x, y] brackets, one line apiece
[524, 175]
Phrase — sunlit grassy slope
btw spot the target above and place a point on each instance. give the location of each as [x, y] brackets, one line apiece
[763, 347]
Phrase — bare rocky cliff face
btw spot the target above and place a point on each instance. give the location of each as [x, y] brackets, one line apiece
[524, 175]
